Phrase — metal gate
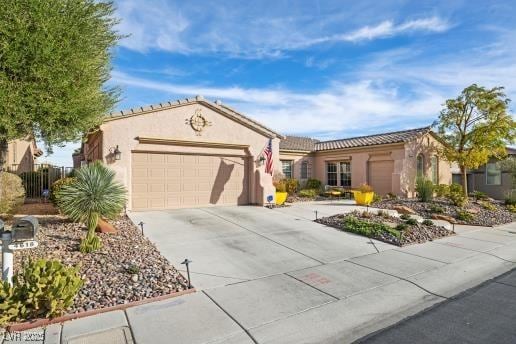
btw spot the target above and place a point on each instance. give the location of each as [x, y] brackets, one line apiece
[37, 182]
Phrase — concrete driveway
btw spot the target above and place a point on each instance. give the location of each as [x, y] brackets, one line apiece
[275, 276]
[235, 244]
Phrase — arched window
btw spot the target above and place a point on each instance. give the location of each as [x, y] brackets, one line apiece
[435, 169]
[420, 168]
[304, 170]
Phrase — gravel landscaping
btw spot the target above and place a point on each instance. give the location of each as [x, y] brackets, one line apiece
[480, 216]
[127, 268]
[390, 232]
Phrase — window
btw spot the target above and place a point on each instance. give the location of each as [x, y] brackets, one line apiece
[331, 173]
[304, 170]
[286, 168]
[420, 168]
[493, 174]
[345, 174]
[435, 169]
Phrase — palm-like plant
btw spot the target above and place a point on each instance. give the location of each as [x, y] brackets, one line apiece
[93, 195]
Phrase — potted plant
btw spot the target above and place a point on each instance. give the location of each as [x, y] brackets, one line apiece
[281, 192]
[364, 195]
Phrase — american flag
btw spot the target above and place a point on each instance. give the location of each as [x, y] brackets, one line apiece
[268, 158]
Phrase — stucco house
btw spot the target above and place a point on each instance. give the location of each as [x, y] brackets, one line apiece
[489, 178]
[21, 155]
[185, 153]
[194, 152]
[389, 162]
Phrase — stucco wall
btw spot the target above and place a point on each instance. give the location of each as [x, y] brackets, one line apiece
[20, 155]
[426, 145]
[171, 124]
[359, 158]
[297, 159]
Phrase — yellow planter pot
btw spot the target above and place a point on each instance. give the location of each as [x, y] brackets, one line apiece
[363, 198]
[281, 197]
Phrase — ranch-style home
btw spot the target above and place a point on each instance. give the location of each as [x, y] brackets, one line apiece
[194, 152]
[389, 162]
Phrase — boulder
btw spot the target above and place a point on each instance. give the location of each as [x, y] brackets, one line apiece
[105, 227]
[403, 209]
[472, 210]
[444, 217]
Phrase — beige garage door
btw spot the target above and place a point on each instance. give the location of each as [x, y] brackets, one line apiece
[380, 176]
[166, 181]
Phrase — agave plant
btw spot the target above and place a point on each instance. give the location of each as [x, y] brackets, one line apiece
[94, 194]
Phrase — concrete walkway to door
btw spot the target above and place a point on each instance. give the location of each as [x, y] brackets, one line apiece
[275, 276]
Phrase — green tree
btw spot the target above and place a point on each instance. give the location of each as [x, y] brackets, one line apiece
[54, 63]
[93, 194]
[475, 126]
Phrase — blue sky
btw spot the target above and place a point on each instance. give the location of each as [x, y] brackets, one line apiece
[325, 69]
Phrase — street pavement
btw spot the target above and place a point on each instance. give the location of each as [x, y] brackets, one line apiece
[483, 314]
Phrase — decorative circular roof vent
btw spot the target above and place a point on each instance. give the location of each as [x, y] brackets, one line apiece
[198, 122]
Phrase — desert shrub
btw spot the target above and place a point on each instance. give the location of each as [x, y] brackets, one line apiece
[280, 186]
[405, 216]
[93, 194]
[436, 209]
[377, 198]
[365, 188]
[411, 222]
[464, 215]
[309, 193]
[390, 195]
[364, 227]
[511, 208]
[442, 190]
[510, 197]
[366, 215]
[456, 195]
[401, 227]
[313, 184]
[487, 205]
[56, 187]
[43, 288]
[291, 185]
[479, 195]
[12, 193]
[424, 189]
[133, 269]
[427, 222]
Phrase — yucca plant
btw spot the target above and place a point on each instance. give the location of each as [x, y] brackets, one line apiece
[94, 194]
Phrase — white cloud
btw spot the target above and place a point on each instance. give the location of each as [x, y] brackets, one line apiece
[341, 108]
[257, 31]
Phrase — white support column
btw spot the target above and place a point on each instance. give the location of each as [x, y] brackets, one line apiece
[7, 259]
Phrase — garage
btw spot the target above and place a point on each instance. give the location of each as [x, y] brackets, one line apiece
[380, 176]
[169, 180]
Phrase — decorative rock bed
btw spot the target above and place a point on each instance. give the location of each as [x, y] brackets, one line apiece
[413, 234]
[480, 216]
[127, 268]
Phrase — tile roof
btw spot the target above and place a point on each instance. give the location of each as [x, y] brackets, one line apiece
[298, 143]
[217, 105]
[373, 140]
[305, 143]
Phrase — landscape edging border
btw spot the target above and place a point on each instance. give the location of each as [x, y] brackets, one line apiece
[40, 322]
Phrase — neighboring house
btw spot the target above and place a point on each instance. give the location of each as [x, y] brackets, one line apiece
[21, 155]
[488, 178]
[389, 162]
[186, 153]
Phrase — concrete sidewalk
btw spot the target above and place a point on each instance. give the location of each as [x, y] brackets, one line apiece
[325, 291]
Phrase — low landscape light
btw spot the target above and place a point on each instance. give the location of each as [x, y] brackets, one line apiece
[187, 262]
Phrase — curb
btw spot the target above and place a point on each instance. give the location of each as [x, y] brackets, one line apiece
[27, 325]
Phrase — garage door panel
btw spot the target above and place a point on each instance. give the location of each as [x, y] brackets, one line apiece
[380, 176]
[176, 181]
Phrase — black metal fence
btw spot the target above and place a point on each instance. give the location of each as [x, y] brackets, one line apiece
[38, 180]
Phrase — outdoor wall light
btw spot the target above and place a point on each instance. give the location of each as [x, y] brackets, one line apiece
[116, 152]
[260, 160]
